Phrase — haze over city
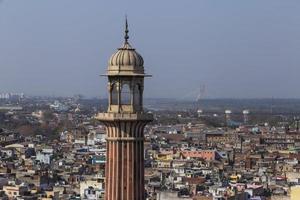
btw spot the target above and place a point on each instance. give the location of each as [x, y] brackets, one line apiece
[238, 49]
[149, 100]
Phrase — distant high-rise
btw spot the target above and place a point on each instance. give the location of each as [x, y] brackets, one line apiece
[11, 95]
[246, 116]
[125, 121]
[227, 117]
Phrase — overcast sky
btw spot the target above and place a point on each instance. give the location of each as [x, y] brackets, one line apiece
[239, 49]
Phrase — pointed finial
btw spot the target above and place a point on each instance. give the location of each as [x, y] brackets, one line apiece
[126, 37]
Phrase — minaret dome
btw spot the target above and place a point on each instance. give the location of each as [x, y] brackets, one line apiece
[126, 59]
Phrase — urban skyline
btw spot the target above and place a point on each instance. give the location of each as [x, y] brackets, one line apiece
[237, 49]
[189, 105]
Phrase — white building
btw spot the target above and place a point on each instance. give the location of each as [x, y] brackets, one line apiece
[91, 189]
[44, 156]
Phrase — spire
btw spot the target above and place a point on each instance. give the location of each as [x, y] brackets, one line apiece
[126, 37]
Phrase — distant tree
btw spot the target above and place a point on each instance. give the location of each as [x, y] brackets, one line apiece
[48, 115]
[26, 130]
[200, 188]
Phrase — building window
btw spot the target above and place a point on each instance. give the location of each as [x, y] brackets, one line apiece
[137, 95]
[125, 94]
[114, 94]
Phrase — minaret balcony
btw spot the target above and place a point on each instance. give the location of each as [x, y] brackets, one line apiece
[124, 116]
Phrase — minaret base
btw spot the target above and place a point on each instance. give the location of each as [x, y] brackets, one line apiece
[125, 155]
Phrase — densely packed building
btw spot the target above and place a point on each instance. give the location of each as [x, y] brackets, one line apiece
[64, 148]
[52, 154]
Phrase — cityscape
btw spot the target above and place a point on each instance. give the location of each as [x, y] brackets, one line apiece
[129, 143]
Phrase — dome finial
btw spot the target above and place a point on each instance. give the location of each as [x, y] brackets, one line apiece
[126, 37]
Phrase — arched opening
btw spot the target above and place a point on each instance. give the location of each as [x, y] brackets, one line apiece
[114, 94]
[137, 95]
[125, 94]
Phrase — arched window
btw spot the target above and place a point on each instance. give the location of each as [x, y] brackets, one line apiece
[125, 94]
[137, 95]
[114, 94]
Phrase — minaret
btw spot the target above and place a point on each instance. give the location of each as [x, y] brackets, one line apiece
[125, 121]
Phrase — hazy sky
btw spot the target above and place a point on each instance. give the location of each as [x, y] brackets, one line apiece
[236, 48]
